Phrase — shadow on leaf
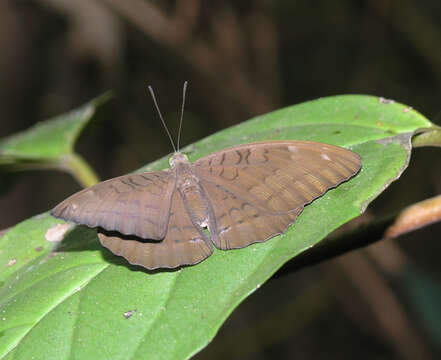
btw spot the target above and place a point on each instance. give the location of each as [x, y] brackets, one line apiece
[82, 238]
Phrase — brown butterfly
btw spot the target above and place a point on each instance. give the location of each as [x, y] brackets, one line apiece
[245, 194]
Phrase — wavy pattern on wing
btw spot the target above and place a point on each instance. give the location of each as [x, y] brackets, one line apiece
[135, 204]
[184, 243]
[241, 223]
[258, 190]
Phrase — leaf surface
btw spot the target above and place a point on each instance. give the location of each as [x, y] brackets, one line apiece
[74, 304]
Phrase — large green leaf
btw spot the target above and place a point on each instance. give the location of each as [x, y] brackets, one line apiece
[71, 305]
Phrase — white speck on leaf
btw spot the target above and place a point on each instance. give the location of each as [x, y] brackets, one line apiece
[56, 233]
[129, 314]
[11, 262]
[383, 100]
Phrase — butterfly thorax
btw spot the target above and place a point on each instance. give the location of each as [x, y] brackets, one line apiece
[178, 158]
[190, 189]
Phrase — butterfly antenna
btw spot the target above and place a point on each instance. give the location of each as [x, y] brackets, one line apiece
[160, 116]
[184, 92]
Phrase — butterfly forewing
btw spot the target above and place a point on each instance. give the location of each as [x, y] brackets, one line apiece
[184, 244]
[135, 204]
[257, 190]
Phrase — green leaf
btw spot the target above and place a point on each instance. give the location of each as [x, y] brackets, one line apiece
[51, 139]
[50, 144]
[72, 305]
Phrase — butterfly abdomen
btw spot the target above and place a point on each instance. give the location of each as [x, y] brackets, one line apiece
[193, 195]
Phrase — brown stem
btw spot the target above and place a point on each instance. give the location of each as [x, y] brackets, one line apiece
[416, 216]
[385, 306]
[185, 16]
[148, 18]
[389, 257]
[205, 58]
[419, 30]
[264, 40]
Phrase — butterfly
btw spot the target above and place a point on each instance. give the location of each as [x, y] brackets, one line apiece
[242, 195]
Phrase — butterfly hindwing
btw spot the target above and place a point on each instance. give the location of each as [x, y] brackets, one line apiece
[184, 244]
[239, 222]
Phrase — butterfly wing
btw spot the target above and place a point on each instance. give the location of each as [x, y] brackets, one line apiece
[257, 190]
[239, 222]
[183, 244]
[135, 204]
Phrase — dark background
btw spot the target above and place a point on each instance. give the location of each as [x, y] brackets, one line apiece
[241, 59]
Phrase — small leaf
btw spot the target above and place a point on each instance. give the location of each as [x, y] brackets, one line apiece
[50, 144]
[51, 139]
[73, 304]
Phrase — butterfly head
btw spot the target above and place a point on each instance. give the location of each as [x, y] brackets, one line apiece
[177, 158]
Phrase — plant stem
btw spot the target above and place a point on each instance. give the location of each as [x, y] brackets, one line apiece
[429, 137]
[81, 170]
